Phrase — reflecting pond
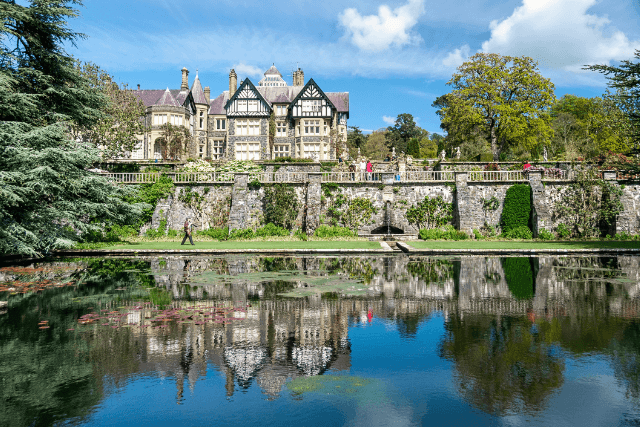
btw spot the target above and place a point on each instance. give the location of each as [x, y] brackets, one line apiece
[250, 340]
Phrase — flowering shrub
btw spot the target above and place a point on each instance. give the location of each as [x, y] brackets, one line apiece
[492, 167]
[554, 173]
[228, 169]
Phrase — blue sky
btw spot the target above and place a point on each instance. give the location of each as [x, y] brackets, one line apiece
[392, 56]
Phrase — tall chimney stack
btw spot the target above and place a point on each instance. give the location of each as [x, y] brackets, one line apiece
[300, 77]
[207, 94]
[233, 82]
[185, 80]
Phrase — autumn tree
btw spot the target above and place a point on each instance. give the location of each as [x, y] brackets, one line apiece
[503, 97]
[121, 120]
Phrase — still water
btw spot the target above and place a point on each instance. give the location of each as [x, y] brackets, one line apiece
[325, 341]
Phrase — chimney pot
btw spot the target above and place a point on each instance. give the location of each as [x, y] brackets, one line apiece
[207, 94]
[233, 82]
[185, 80]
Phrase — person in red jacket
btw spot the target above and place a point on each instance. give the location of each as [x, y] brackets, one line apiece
[526, 165]
[369, 170]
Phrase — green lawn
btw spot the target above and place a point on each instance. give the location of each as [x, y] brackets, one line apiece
[481, 244]
[274, 245]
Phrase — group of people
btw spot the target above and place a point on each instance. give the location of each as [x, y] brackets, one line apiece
[365, 166]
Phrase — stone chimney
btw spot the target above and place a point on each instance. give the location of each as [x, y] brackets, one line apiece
[233, 82]
[300, 77]
[185, 80]
[207, 94]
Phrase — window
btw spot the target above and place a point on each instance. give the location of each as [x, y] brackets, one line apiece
[201, 152]
[312, 127]
[281, 150]
[311, 105]
[253, 105]
[325, 130]
[242, 105]
[313, 150]
[248, 127]
[281, 110]
[217, 149]
[201, 123]
[138, 151]
[281, 129]
[247, 151]
[176, 120]
[220, 124]
[159, 119]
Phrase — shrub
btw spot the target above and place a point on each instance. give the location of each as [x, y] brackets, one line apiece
[326, 231]
[217, 233]
[431, 212]
[271, 230]
[492, 167]
[545, 234]
[563, 231]
[151, 194]
[301, 235]
[516, 209]
[522, 232]
[478, 235]
[239, 234]
[519, 276]
[443, 233]
[623, 236]
[172, 233]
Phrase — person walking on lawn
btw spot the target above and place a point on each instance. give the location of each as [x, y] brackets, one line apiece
[187, 231]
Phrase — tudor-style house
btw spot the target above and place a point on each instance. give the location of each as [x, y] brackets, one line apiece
[309, 123]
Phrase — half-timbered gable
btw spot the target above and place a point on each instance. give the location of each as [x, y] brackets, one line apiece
[247, 102]
[311, 101]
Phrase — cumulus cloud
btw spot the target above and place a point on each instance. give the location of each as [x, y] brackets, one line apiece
[457, 57]
[248, 70]
[559, 34]
[389, 27]
[389, 120]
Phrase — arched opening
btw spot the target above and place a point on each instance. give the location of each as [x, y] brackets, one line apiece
[157, 149]
[384, 229]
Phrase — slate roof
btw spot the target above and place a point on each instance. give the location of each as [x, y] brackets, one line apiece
[273, 70]
[198, 92]
[217, 105]
[167, 99]
[281, 98]
[340, 100]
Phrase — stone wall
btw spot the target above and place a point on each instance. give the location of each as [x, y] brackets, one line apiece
[390, 198]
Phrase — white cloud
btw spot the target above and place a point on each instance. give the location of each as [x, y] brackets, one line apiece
[457, 57]
[248, 70]
[559, 34]
[389, 120]
[387, 28]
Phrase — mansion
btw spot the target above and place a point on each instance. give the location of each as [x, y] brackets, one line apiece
[249, 122]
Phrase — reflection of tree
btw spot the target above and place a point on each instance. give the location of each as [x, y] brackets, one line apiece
[503, 366]
[431, 270]
[626, 359]
[48, 375]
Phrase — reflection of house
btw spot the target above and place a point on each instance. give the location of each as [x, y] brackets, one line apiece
[259, 122]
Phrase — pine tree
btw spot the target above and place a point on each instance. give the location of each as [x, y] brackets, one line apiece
[48, 198]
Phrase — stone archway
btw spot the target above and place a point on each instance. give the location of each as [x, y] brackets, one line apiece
[384, 229]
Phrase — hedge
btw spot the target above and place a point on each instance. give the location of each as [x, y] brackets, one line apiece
[517, 207]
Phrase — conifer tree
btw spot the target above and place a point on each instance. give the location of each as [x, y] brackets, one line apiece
[48, 198]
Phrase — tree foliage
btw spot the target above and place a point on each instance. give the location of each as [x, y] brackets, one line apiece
[174, 141]
[47, 196]
[504, 97]
[375, 147]
[401, 132]
[625, 78]
[121, 121]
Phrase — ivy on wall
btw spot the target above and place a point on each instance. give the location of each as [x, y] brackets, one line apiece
[280, 205]
[516, 210]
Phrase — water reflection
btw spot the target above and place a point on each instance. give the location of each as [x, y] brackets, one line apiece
[509, 326]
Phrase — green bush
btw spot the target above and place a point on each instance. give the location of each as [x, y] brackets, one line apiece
[271, 230]
[443, 233]
[519, 276]
[516, 209]
[521, 232]
[545, 234]
[623, 236]
[239, 234]
[172, 233]
[563, 231]
[486, 157]
[326, 231]
[215, 233]
[151, 194]
[301, 235]
[478, 235]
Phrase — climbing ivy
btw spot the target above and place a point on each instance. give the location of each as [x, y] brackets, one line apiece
[358, 212]
[280, 205]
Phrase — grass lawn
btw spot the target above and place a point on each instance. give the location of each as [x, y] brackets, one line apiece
[481, 244]
[272, 245]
